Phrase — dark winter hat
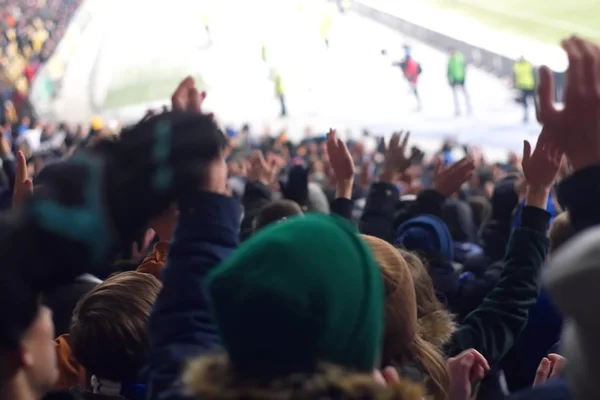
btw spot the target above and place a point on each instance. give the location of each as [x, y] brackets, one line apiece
[298, 293]
[426, 234]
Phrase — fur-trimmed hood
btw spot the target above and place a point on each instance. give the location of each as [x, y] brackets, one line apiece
[211, 378]
[437, 328]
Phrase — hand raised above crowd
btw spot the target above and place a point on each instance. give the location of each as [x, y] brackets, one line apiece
[263, 170]
[341, 163]
[448, 180]
[187, 97]
[576, 128]
[396, 161]
[541, 167]
[23, 188]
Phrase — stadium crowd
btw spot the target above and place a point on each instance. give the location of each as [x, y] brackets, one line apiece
[31, 30]
[175, 259]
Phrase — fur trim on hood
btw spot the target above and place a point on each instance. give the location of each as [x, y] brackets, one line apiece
[437, 328]
[211, 378]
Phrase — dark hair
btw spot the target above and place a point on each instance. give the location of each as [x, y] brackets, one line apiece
[275, 211]
[109, 329]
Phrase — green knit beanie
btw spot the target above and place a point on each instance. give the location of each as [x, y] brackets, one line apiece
[299, 292]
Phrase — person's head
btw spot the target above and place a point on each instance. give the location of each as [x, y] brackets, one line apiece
[109, 329]
[304, 292]
[276, 211]
[458, 217]
[402, 346]
[308, 297]
[560, 232]
[28, 366]
[481, 209]
[427, 235]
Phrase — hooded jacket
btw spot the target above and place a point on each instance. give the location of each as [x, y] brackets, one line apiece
[429, 236]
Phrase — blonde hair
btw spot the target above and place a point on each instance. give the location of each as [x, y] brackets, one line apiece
[402, 344]
[436, 324]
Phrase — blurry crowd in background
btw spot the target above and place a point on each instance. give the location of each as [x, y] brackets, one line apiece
[31, 30]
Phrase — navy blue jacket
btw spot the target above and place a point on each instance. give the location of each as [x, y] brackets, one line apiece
[181, 326]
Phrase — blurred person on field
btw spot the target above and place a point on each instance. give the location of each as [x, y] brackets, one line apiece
[457, 72]
[524, 78]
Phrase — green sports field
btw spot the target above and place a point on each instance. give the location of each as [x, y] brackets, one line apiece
[543, 20]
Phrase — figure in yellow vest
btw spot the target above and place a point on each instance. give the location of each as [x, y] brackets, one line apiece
[206, 23]
[279, 91]
[325, 28]
[524, 76]
[263, 53]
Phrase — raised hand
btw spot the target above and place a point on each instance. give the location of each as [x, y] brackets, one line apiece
[187, 97]
[550, 367]
[23, 188]
[448, 180]
[342, 164]
[339, 157]
[541, 167]
[465, 369]
[264, 171]
[396, 161]
[576, 128]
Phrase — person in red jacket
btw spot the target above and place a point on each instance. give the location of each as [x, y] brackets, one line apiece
[411, 70]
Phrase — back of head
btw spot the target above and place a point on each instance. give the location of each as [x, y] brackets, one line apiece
[304, 291]
[400, 300]
[458, 216]
[560, 231]
[572, 280]
[403, 346]
[317, 200]
[276, 211]
[481, 209]
[109, 332]
[426, 234]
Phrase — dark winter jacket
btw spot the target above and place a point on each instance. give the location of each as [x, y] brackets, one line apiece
[181, 326]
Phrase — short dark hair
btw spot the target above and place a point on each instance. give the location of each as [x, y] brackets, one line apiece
[276, 211]
[109, 329]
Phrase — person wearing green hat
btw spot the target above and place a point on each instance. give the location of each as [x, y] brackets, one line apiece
[300, 301]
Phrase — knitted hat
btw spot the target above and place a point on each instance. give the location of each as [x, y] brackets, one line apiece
[426, 234]
[297, 293]
[400, 298]
[572, 281]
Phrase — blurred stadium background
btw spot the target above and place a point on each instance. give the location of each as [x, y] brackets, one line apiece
[115, 65]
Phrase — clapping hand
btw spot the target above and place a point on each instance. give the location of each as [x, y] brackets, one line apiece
[396, 161]
[23, 188]
[576, 128]
[465, 369]
[448, 180]
[550, 367]
[341, 163]
[263, 170]
[540, 169]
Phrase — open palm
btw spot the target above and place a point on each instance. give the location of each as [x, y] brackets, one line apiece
[541, 167]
